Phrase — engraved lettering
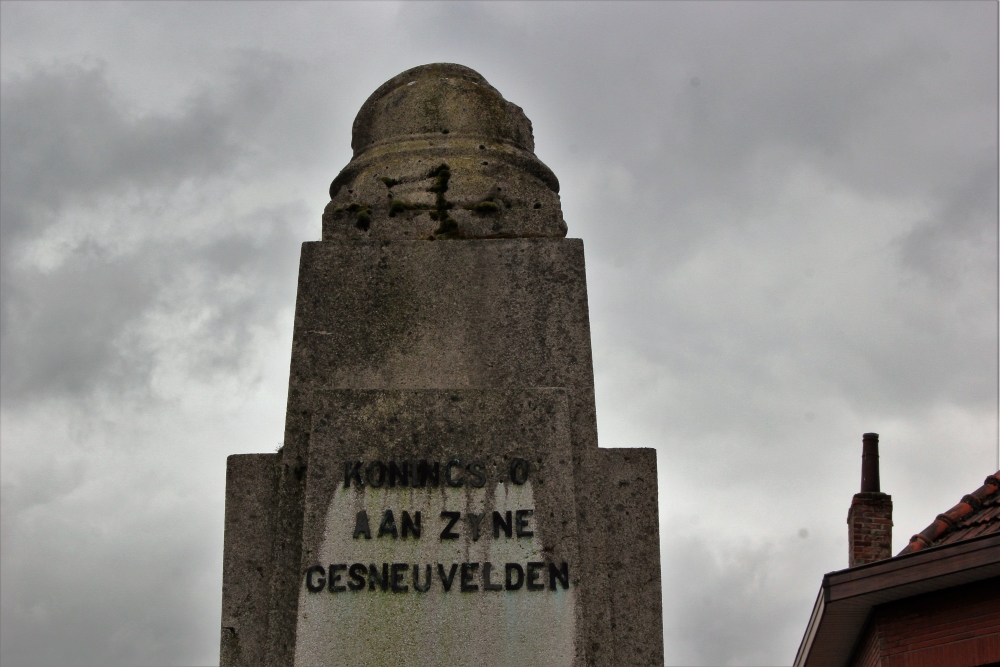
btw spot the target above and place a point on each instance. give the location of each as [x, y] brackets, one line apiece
[380, 578]
[521, 523]
[428, 473]
[375, 474]
[397, 577]
[477, 471]
[417, 586]
[469, 571]
[388, 526]
[512, 569]
[453, 518]
[519, 471]
[447, 580]
[454, 463]
[411, 526]
[499, 522]
[315, 586]
[534, 571]
[399, 473]
[474, 522]
[361, 526]
[560, 574]
[335, 577]
[352, 470]
[358, 573]
[487, 584]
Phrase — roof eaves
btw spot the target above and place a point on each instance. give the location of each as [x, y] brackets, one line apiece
[847, 597]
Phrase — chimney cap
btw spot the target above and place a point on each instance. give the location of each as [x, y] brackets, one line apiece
[869, 464]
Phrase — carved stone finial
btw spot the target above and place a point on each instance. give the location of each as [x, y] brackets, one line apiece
[439, 153]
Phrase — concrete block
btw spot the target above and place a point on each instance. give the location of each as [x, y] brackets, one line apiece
[251, 504]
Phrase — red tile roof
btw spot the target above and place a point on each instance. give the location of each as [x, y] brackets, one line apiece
[977, 514]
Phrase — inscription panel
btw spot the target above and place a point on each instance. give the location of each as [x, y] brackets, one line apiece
[439, 530]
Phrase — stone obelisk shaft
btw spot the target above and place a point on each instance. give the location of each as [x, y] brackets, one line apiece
[455, 284]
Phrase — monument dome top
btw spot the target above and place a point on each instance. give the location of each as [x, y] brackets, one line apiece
[439, 98]
[440, 154]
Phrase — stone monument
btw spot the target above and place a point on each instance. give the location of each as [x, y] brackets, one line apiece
[440, 498]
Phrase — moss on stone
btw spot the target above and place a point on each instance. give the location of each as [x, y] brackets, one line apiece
[441, 175]
[448, 228]
[486, 207]
[364, 220]
[362, 214]
[398, 206]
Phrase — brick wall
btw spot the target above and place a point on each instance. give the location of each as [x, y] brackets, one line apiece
[957, 627]
[869, 649]
[869, 528]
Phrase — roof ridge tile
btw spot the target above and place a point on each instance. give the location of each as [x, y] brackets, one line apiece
[961, 515]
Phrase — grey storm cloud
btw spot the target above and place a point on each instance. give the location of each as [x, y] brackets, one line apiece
[71, 144]
[718, 626]
[790, 218]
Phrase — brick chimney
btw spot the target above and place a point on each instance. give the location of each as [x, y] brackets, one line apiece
[869, 521]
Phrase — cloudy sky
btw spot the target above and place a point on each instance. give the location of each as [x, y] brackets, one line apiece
[790, 219]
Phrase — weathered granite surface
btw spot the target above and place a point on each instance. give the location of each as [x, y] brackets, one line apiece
[406, 319]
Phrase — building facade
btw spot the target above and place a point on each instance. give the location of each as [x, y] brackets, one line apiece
[935, 604]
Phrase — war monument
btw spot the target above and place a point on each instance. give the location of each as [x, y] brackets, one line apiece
[440, 497]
